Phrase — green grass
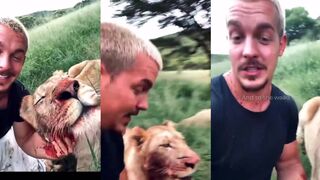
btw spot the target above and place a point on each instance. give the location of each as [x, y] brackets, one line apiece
[196, 76]
[297, 74]
[218, 68]
[61, 43]
[175, 97]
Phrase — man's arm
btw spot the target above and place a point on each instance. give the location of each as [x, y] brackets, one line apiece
[32, 144]
[123, 175]
[289, 166]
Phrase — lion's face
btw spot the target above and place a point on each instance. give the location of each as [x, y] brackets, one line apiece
[57, 104]
[164, 152]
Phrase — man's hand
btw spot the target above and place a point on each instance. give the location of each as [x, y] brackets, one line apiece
[34, 145]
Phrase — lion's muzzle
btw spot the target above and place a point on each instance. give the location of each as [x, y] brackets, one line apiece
[66, 89]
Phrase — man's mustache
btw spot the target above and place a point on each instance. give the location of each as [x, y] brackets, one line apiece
[253, 63]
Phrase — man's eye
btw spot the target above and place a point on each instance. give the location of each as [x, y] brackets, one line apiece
[236, 38]
[265, 39]
[17, 57]
[137, 90]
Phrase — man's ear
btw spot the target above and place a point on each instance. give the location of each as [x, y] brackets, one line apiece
[28, 112]
[283, 44]
[105, 75]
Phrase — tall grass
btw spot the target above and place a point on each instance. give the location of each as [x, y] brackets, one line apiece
[61, 43]
[176, 100]
[298, 71]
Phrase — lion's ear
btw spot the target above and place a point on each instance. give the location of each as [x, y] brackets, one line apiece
[169, 123]
[88, 96]
[27, 111]
[138, 135]
[76, 69]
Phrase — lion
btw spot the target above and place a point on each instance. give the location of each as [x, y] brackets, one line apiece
[87, 72]
[65, 106]
[158, 153]
[309, 132]
[200, 119]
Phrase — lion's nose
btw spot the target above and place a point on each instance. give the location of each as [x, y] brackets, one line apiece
[67, 89]
[191, 160]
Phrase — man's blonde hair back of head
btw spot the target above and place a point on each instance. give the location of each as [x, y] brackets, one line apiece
[120, 47]
[16, 26]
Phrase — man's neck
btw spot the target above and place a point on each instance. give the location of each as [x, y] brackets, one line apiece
[256, 101]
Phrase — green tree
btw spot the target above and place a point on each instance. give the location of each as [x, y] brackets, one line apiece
[181, 13]
[298, 24]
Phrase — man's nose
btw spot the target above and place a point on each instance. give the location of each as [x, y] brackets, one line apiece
[4, 62]
[250, 48]
[142, 103]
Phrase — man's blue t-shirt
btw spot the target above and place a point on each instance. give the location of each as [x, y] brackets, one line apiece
[247, 145]
[112, 154]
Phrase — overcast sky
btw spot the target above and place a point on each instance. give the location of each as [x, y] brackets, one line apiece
[219, 43]
[23, 7]
[149, 30]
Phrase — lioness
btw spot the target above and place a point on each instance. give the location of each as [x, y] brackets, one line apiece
[309, 131]
[200, 119]
[158, 153]
[66, 106]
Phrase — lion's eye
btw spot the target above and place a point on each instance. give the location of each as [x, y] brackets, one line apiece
[42, 97]
[166, 145]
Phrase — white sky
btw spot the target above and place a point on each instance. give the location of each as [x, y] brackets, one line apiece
[24, 7]
[219, 43]
[149, 30]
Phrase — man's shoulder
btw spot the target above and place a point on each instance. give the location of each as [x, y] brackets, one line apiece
[216, 80]
[111, 137]
[19, 89]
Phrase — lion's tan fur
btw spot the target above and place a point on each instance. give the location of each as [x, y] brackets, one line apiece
[153, 153]
[88, 72]
[309, 132]
[200, 119]
[79, 113]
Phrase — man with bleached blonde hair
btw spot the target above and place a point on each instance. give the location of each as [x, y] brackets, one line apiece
[129, 67]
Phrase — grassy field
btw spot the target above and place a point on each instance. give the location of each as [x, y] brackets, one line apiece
[61, 43]
[195, 76]
[297, 74]
[176, 96]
